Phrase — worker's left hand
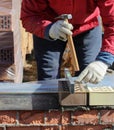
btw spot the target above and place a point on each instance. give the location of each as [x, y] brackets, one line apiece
[93, 73]
[60, 30]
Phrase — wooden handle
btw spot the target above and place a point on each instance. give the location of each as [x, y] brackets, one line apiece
[73, 52]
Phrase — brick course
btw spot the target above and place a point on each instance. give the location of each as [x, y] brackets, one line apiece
[85, 127]
[107, 116]
[7, 117]
[57, 120]
[31, 117]
[85, 117]
[23, 128]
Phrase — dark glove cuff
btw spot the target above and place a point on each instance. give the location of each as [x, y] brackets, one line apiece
[46, 33]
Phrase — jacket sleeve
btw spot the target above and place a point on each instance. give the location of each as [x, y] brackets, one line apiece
[36, 15]
[107, 13]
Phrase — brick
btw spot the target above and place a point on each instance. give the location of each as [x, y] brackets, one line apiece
[5, 23]
[7, 117]
[107, 116]
[49, 128]
[53, 117]
[31, 117]
[6, 48]
[24, 128]
[85, 117]
[34, 128]
[100, 127]
[66, 118]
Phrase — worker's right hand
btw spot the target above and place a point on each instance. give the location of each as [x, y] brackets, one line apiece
[60, 30]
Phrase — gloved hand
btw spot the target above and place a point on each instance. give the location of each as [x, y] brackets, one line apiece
[60, 30]
[93, 73]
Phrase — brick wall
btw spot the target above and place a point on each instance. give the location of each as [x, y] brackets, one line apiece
[57, 120]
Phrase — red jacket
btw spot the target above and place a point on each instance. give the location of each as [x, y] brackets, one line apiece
[36, 15]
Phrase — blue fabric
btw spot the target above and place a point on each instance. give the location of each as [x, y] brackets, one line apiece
[88, 46]
[48, 56]
[106, 57]
[46, 33]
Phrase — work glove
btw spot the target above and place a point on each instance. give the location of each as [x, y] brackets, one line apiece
[93, 73]
[60, 30]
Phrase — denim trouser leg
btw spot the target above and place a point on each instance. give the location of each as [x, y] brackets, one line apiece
[49, 53]
[48, 56]
[87, 47]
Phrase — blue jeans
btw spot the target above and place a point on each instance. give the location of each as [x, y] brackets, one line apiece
[49, 54]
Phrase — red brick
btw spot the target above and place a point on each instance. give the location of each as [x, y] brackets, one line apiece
[66, 118]
[7, 117]
[107, 116]
[84, 127]
[33, 128]
[50, 128]
[31, 117]
[53, 117]
[85, 117]
[24, 128]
